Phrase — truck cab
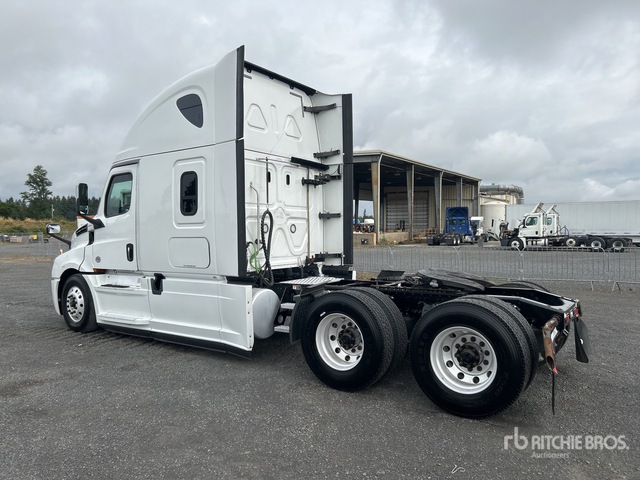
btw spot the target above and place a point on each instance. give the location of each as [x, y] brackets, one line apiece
[457, 223]
[539, 224]
[231, 176]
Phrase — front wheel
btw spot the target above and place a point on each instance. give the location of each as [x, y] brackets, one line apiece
[516, 244]
[347, 340]
[77, 305]
[470, 358]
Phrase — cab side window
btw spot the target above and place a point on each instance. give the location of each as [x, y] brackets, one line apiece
[531, 221]
[189, 193]
[119, 195]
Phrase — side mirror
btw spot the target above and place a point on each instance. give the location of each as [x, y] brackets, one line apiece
[82, 199]
[53, 228]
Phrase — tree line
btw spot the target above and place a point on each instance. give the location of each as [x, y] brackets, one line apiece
[38, 202]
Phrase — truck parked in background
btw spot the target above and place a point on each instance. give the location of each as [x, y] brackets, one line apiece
[542, 227]
[608, 219]
[227, 218]
[459, 228]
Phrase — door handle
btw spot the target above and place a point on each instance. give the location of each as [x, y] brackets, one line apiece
[130, 252]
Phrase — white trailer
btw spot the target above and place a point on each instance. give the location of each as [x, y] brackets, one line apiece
[226, 217]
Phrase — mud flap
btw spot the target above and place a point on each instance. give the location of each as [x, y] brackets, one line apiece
[583, 344]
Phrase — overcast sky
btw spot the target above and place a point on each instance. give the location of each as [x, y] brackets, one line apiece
[541, 94]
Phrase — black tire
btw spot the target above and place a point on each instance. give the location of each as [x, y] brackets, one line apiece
[525, 284]
[516, 243]
[617, 244]
[597, 243]
[525, 328]
[77, 305]
[571, 242]
[540, 359]
[337, 360]
[396, 320]
[487, 340]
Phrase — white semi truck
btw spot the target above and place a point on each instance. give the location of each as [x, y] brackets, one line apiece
[604, 219]
[541, 227]
[226, 217]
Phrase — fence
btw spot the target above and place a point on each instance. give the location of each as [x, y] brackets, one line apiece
[33, 244]
[577, 264]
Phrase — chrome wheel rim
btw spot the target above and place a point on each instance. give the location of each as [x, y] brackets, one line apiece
[75, 304]
[339, 342]
[463, 359]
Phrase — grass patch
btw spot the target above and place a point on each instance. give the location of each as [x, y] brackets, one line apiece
[29, 225]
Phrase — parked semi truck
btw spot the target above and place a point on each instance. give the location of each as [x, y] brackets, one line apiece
[226, 218]
[543, 228]
[459, 228]
[598, 219]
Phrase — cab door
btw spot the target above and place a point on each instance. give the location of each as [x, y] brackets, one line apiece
[531, 226]
[114, 246]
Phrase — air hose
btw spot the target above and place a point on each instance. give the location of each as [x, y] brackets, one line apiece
[265, 273]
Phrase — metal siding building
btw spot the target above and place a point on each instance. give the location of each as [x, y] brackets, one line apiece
[410, 195]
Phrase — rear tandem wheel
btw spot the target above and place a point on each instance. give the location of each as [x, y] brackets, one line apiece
[520, 321]
[347, 340]
[617, 244]
[597, 243]
[470, 357]
[396, 320]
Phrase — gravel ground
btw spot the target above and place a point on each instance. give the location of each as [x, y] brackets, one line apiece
[103, 405]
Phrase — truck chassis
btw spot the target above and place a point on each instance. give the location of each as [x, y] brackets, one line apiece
[594, 242]
[474, 345]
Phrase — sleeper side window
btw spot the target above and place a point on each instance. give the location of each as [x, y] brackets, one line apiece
[119, 195]
[191, 108]
[189, 193]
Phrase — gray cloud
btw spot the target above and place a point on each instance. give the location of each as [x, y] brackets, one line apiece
[541, 94]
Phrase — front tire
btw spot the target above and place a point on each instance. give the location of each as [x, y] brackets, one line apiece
[347, 340]
[77, 305]
[516, 244]
[470, 358]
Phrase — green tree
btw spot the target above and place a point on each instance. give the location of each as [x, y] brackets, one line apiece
[38, 193]
[11, 208]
